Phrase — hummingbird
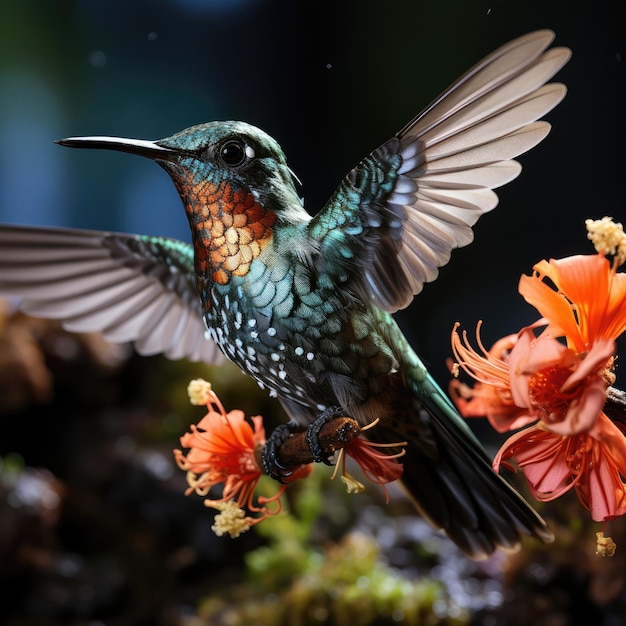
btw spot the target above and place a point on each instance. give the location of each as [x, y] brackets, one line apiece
[304, 304]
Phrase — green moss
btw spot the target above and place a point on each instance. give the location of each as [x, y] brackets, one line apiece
[291, 581]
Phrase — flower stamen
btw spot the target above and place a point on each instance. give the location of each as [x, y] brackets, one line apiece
[605, 546]
[608, 238]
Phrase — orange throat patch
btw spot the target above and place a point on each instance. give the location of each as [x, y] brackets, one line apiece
[231, 229]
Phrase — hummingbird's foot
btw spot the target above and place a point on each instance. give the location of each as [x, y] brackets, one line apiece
[269, 458]
[313, 433]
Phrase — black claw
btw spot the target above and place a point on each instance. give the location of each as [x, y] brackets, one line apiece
[313, 432]
[271, 465]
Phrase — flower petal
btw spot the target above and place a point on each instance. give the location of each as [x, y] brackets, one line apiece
[614, 440]
[584, 279]
[483, 400]
[550, 304]
[583, 410]
[604, 491]
[517, 365]
[541, 455]
[539, 353]
[596, 360]
[597, 292]
[601, 488]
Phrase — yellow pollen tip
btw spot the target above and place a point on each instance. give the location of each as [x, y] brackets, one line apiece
[608, 373]
[605, 546]
[199, 391]
[231, 519]
[607, 237]
[352, 484]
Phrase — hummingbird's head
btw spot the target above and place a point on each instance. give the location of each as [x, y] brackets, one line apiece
[235, 185]
[209, 160]
[236, 153]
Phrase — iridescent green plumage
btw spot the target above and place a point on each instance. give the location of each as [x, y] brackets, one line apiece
[304, 304]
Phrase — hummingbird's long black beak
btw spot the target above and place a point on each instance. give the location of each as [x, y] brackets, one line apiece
[140, 147]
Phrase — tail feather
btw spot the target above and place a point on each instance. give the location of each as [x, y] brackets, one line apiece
[449, 477]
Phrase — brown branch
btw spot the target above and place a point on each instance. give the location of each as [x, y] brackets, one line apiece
[615, 405]
[342, 430]
[335, 435]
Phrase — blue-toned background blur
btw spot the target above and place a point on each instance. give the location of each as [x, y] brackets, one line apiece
[331, 81]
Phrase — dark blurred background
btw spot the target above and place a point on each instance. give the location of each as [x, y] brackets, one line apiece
[330, 81]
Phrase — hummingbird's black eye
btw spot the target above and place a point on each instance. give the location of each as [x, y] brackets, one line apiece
[234, 153]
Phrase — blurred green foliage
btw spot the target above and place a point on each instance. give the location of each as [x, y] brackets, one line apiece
[338, 583]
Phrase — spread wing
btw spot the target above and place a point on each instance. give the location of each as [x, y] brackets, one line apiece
[395, 218]
[129, 288]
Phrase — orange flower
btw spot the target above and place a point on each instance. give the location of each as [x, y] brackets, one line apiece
[223, 449]
[559, 378]
[534, 378]
[573, 443]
